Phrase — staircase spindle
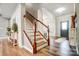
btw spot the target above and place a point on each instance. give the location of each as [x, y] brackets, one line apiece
[48, 37]
[34, 44]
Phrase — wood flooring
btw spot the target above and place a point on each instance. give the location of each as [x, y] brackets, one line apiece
[6, 49]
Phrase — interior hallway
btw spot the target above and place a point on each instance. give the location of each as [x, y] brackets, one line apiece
[6, 49]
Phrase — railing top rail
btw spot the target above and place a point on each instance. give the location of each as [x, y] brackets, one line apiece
[37, 19]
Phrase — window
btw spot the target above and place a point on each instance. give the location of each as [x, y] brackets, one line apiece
[64, 26]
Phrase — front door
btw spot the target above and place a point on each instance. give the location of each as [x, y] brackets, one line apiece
[64, 27]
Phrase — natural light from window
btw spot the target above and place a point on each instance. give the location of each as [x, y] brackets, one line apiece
[64, 26]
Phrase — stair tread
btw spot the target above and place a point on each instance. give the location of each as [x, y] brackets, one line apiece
[29, 28]
[39, 39]
[33, 35]
[41, 43]
[31, 31]
[42, 46]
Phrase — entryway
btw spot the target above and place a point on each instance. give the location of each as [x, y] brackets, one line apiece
[64, 29]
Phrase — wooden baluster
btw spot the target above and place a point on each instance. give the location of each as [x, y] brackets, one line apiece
[48, 37]
[34, 44]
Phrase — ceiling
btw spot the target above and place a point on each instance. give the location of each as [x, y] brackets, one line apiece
[7, 9]
[51, 7]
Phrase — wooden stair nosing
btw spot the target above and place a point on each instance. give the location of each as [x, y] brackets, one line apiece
[41, 43]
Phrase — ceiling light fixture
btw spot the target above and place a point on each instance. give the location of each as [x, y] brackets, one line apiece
[59, 10]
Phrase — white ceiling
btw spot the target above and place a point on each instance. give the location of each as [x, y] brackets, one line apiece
[7, 9]
[51, 7]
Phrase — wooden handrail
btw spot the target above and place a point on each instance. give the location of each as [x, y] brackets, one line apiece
[36, 19]
[42, 35]
[27, 37]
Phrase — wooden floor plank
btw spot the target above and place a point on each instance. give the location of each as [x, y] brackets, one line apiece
[6, 49]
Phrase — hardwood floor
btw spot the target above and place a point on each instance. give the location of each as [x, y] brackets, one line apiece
[6, 49]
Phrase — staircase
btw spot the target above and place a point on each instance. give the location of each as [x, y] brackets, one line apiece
[40, 41]
[35, 37]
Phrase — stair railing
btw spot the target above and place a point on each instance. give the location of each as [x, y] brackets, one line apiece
[35, 30]
[48, 38]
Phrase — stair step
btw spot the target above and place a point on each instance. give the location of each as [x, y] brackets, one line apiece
[33, 33]
[42, 46]
[39, 39]
[29, 29]
[32, 37]
[36, 35]
[41, 43]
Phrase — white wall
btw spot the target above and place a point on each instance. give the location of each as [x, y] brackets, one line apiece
[16, 17]
[3, 27]
[48, 19]
[60, 19]
[37, 11]
[32, 8]
[25, 42]
[19, 19]
[77, 29]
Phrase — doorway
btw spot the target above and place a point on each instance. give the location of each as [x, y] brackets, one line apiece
[64, 29]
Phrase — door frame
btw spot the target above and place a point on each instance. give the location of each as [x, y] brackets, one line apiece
[67, 28]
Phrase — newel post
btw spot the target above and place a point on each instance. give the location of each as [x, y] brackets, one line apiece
[34, 44]
[48, 37]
